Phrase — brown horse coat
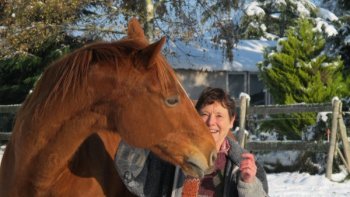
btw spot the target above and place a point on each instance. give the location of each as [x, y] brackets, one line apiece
[67, 131]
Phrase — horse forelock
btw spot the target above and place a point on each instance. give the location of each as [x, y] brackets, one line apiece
[165, 74]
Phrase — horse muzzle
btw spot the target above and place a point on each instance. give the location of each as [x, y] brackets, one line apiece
[196, 165]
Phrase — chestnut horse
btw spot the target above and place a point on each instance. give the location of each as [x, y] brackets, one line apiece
[68, 129]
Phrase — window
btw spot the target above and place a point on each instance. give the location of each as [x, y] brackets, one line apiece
[236, 84]
[248, 83]
[256, 90]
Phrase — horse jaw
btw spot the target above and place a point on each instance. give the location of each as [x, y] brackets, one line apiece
[190, 158]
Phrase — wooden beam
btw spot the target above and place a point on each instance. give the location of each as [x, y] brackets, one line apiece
[332, 146]
[5, 136]
[9, 108]
[344, 137]
[342, 158]
[242, 117]
[287, 145]
[280, 109]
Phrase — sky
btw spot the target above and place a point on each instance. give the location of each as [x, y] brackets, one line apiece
[299, 184]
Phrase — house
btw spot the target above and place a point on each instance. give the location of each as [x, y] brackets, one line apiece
[199, 65]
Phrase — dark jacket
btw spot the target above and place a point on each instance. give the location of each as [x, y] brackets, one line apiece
[144, 174]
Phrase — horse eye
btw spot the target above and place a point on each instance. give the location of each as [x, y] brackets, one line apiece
[172, 101]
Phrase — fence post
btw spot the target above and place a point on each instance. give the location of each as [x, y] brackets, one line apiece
[345, 140]
[242, 116]
[332, 143]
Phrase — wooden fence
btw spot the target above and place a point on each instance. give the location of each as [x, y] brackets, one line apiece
[246, 111]
[338, 127]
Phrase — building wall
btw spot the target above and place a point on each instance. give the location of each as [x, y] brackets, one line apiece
[195, 81]
[234, 82]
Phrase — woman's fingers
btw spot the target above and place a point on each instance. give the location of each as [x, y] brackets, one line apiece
[248, 168]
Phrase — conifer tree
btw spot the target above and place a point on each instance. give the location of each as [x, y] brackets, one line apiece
[270, 18]
[298, 71]
[19, 72]
[340, 43]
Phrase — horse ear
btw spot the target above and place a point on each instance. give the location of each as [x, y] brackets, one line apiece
[148, 55]
[135, 30]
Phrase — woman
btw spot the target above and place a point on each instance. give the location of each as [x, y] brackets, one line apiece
[236, 173]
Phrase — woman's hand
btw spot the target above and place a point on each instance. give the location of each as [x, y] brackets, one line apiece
[248, 168]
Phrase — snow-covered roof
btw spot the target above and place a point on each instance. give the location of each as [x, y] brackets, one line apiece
[203, 56]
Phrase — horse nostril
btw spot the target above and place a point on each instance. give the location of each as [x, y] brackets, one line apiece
[213, 157]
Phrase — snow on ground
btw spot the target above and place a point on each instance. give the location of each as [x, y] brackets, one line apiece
[303, 184]
[300, 184]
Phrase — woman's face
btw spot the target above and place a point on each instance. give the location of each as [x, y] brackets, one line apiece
[217, 118]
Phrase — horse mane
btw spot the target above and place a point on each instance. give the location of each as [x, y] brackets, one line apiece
[67, 77]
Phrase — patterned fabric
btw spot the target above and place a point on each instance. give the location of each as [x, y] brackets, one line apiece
[225, 147]
[211, 184]
[191, 187]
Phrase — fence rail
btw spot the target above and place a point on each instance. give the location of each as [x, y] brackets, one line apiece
[5, 136]
[255, 109]
[280, 109]
[9, 108]
[317, 147]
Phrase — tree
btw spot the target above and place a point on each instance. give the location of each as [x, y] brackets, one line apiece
[221, 15]
[269, 19]
[299, 71]
[31, 31]
[27, 25]
[33, 35]
[339, 7]
[340, 43]
[19, 72]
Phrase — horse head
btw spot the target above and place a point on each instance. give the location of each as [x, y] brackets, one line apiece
[145, 103]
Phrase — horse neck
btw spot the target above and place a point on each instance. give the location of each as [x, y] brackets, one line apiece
[53, 157]
[37, 125]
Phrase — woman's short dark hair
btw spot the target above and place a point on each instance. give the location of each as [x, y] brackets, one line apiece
[209, 95]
